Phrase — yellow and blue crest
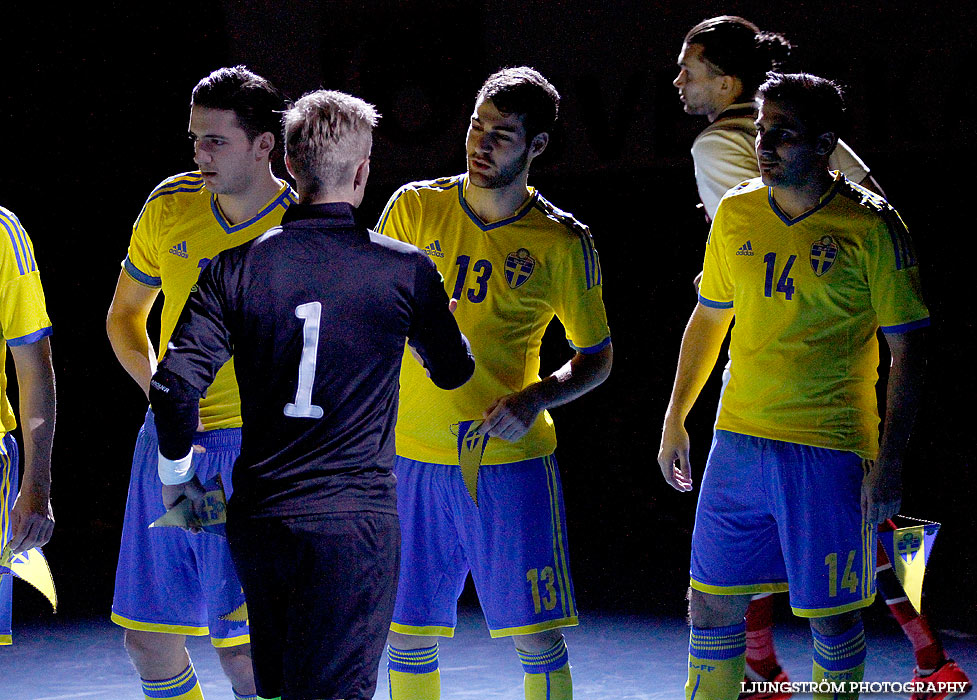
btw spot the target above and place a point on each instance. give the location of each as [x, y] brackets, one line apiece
[823, 254]
[519, 268]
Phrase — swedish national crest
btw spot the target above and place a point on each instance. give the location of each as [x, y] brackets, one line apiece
[519, 268]
[823, 254]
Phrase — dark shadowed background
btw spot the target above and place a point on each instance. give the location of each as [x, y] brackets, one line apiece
[94, 115]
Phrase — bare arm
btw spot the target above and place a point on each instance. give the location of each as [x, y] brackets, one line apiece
[510, 417]
[882, 485]
[701, 343]
[126, 328]
[32, 518]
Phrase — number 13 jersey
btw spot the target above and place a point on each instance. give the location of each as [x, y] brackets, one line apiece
[510, 277]
[809, 294]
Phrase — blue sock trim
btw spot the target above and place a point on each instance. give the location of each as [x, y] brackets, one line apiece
[718, 643]
[553, 659]
[238, 696]
[171, 687]
[412, 660]
[840, 652]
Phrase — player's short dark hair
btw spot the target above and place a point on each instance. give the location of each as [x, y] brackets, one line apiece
[817, 102]
[257, 103]
[734, 46]
[523, 90]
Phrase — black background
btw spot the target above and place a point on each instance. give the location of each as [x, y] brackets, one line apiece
[94, 113]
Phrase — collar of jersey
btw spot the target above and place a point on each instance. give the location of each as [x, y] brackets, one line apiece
[521, 212]
[284, 198]
[331, 214]
[738, 110]
[825, 198]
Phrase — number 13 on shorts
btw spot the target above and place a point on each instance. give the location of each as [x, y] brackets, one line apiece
[545, 578]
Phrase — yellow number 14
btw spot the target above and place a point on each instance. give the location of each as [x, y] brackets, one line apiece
[849, 579]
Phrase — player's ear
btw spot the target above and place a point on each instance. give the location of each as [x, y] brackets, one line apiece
[362, 174]
[538, 144]
[264, 144]
[288, 166]
[826, 143]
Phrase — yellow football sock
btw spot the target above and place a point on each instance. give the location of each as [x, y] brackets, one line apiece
[717, 660]
[183, 686]
[839, 659]
[413, 673]
[548, 673]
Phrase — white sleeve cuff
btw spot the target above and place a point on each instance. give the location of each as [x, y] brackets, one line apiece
[173, 472]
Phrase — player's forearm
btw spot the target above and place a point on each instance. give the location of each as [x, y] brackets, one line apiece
[701, 343]
[35, 377]
[903, 391]
[583, 373]
[132, 347]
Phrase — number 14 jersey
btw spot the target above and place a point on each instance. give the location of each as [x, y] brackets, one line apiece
[510, 277]
[809, 295]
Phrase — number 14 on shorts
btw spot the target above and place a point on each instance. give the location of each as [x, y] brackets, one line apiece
[849, 578]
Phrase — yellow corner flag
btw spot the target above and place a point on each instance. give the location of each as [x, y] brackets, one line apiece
[909, 548]
[31, 566]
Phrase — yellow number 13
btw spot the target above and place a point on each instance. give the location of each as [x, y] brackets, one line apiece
[534, 576]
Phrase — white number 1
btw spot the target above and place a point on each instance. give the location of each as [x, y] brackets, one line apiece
[303, 407]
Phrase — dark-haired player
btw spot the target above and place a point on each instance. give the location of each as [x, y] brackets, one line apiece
[722, 62]
[169, 583]
[796, 482]
[478, 487]
[316, 313]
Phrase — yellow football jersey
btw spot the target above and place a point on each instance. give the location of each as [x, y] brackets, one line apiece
[809, 295]
[510, 278]
[178, 231]
[23, 315]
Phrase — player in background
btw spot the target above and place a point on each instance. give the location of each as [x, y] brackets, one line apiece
[26, 518]
[513, 261]
[796, 482]
[169, 583]
[316, 313]
[721, 64]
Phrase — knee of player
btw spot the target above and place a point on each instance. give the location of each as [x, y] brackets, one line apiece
[835, 624]
[538, 641]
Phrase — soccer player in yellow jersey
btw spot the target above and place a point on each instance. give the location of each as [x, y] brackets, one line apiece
[170, 583]
[26, 518]
[478, 488]
[811, 266]
[721, 64]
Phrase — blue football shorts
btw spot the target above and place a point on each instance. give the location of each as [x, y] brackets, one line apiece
[776, 516]
[9, 458]
[170, 580]
[514, 542]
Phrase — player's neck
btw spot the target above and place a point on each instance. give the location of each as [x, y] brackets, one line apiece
[796, 200]
[491, 205]
[244, 206]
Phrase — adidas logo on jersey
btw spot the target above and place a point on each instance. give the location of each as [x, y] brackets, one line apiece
[180, 249]
[746, 249]
[434, 250]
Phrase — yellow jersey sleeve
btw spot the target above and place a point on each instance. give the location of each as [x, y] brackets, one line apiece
[401, 215]
[23, 312]
[893, 277]
[142, 261]
[580, 307]
[716, 288]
